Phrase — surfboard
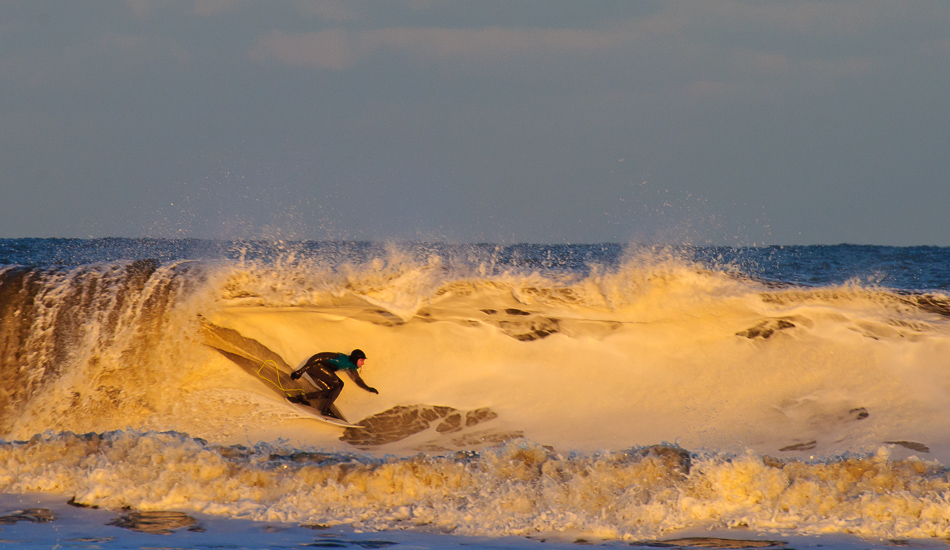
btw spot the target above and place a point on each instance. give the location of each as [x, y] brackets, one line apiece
[267, 366]
[288, 387]
[311, 412]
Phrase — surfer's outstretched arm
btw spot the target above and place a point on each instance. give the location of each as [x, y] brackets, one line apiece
[359, 382]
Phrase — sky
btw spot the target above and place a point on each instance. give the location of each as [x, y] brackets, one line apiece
[720, 122]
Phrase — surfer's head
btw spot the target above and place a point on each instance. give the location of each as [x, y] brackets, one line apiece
[357, 357]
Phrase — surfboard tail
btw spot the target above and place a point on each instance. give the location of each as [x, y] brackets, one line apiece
[313, 413]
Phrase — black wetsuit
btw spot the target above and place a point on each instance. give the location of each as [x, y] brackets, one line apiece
[322, 369]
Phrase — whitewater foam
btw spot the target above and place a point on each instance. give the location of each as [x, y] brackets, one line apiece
[529, 393]
[517, 489]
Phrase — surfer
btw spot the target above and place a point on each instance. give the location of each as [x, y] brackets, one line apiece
[322, 369]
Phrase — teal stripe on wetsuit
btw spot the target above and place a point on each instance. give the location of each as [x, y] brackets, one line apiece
[342, 362]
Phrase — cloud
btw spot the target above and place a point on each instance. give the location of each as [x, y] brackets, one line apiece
[779, 65]
[697, 51]
[491, 42]
[210, 8]
[807, 18]
[137, 47]
[337, 48]
[697, 67]
[331, 10]
[141, 9]
[330, 49]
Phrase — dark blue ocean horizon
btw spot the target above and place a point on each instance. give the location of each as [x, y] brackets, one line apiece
[910, 269]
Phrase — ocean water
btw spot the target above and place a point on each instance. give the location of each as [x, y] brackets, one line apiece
[570, 392]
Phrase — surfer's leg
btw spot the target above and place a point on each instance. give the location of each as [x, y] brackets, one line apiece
[335, 390]
[323, 403]
[324, 382]
[331, 394]
[320, 404]
[328, 386]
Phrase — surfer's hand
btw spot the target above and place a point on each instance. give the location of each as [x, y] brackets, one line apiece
[296, 374]
[373, 390]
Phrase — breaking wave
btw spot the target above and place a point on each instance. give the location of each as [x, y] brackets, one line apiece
[522, 390]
